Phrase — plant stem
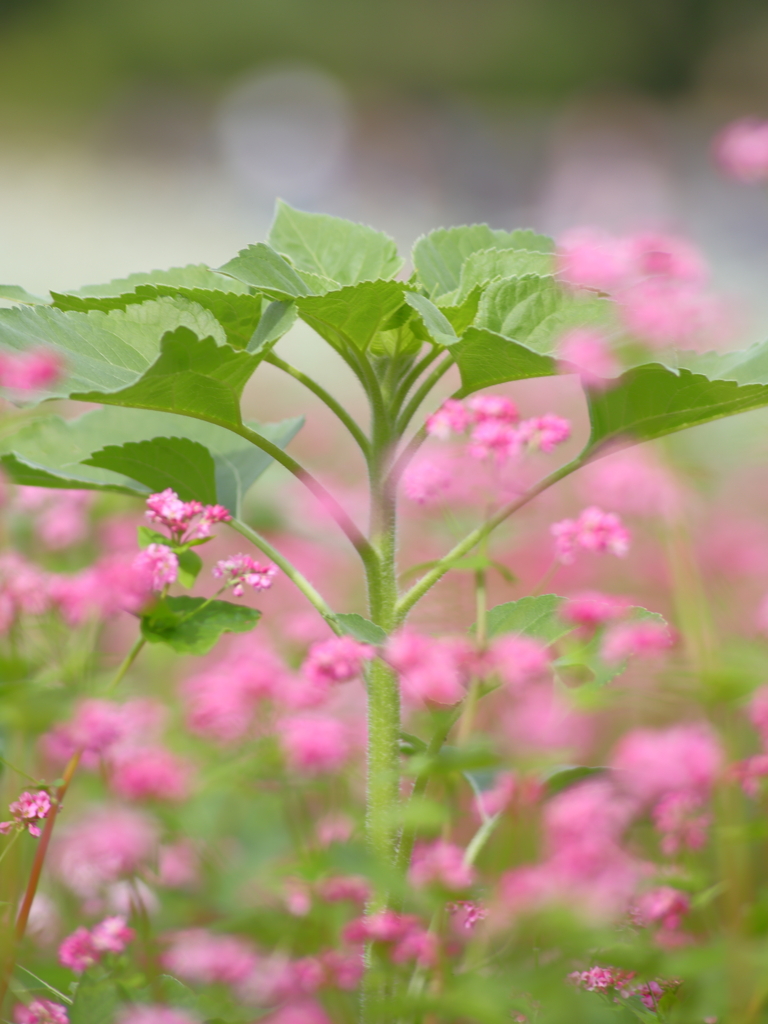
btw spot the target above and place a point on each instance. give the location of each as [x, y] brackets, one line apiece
[325, 397]
[428, 580]
[421, 393]
[416, 371]
[467, 719]
[480, 838]
[290, 571]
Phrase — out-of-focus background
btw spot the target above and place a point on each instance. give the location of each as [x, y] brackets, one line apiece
[147, 133]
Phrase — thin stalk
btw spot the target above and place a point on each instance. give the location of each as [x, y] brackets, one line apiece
[290, 571]
[467, 719]
[129, 659]
[428, 580]
[480, 838]
[324, 396]
[10, 845]
[421, 393]
[415, 372]
[329, 503]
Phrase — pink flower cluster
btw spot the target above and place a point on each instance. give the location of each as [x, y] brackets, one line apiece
[122, 739]
[40, 1011]
[158, 564]
[495, 429]
[593, 530]
[741, 150]
[750, 771]
[634, 637]
[241, 569]
[33, 370]
[588, 351]
[149, 1014]
[59, 517]
[442, 864]
[83, 948]
[185, 521]
[613, 980]
[657, 280]
[406, 938]
[28, 811]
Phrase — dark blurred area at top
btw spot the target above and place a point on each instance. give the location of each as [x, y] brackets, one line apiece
[65, 58]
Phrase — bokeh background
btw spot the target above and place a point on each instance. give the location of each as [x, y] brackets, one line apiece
[148, 133]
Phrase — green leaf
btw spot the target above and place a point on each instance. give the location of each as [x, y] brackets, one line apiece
[353, 315]
[192, 625]
[194, 275]
[487, 265]
[361, 629]
[190, 564]
[438, 326]
[261, 267]
[176, 462]
[334, 248]
[565, 776]
[95, 1002]
[439, 256]
[473, 756]
[276, 320]
[536, 617]
[239, 314]
[190, 377]
[50, 452]
[517, 306]
[486, 359]
[16, 293]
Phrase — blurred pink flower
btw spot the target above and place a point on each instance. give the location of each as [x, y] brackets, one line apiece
[451, 418]
[144, 773]
[519, 660]
[542, 720]
[160, 565]
[663, 312]
[178, 865]
[665, 906]
[336, 660]
[111, 935]
[681, 821]
[496, 799]
[440, 863]
[419, 946]
[59, 517]
[240, 569]
[33, 370]
[302, 1012]
[543, 433]
[594, 530]
[78, 952]
[651, 763]
[591, 608]
[741, 149]
[314, 744]
[429, 669]
[147, 1014]
[204, 958]
[588, 351]
[591, 258]
[658, 254]
[635, 639]
[40, 1011]
[634, 482]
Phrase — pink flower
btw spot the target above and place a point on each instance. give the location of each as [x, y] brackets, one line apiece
[651, 763]
[663, 312]
[344, 970]
[78, 952]
[588, 352]
[748, 773]
[591, 258]
[159, 563]
[27, 811]
[543, 720]
[591, 608]
[519, 660]
[741, 149]
[185, 520]
[494, 439]
[594, 530]
[150, 772]
[634, 482]
[205, 958]
[495, 800]
[33, 370]
[635, 639]
[428, 669]
[385, 926]
[147, 1014]
[59, 517]
[442, 864]
[758, 712]
[428, 480]
[683, 825]
[336, 660]
[657, 254]
[314, 744]
[543, 433]
[664, 905]
[303, 1012]
[450, 418]
[467, 913]
[240, 569]
[40, 1011]
[419, 946]
[353, 888]
[493, 408]
[112, 935]
[599, 979]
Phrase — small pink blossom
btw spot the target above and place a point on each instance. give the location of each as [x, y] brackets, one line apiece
[78, 952]
[203, 957]
[33, 370]
[28, 811]
[440, 863]
[495, 440]
[594, 530]
[344, 970]
[658, 254]
[519, 660]
[385, 926]
[758, 712]
[314, 744]
[591, 258]
[185, 520]
[302, 1012]
[681, 821]
[662, 312]
[590, 608]
[160, 565]
[543, 433]
[150, 773]
[635, 639]
[240, 569]
[148, 1014]
[543, 720]
[429, 669]
[427, 480]
[749, 772]
[40, 1011]
[352, 888]
[665, 906]
[178, 865]
[337, 660]
[492, 408]
[588, 352]
[599, 979]
[741, 150]
[419, 946]
[651, 763]
[467, 913]
[451, 418]
[111, 935]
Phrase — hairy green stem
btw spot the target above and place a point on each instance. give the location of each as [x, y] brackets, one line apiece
[421, 393]
[428, 580]
[325, 397]
[413, 375]
[289, 570]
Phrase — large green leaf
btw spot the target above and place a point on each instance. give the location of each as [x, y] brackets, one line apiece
[192, 625]
[437, 325]
[277, 319]
[15, 293]
[353, 315]
[194, 275]
[51, 452]
[334, 248]
[103, 352]
[487, 265]
[237, 312]
[486, 359]
[261, 267]
[190, 377]
[536, 617]
[185, 466]
[95, 1001]
[439, 256]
